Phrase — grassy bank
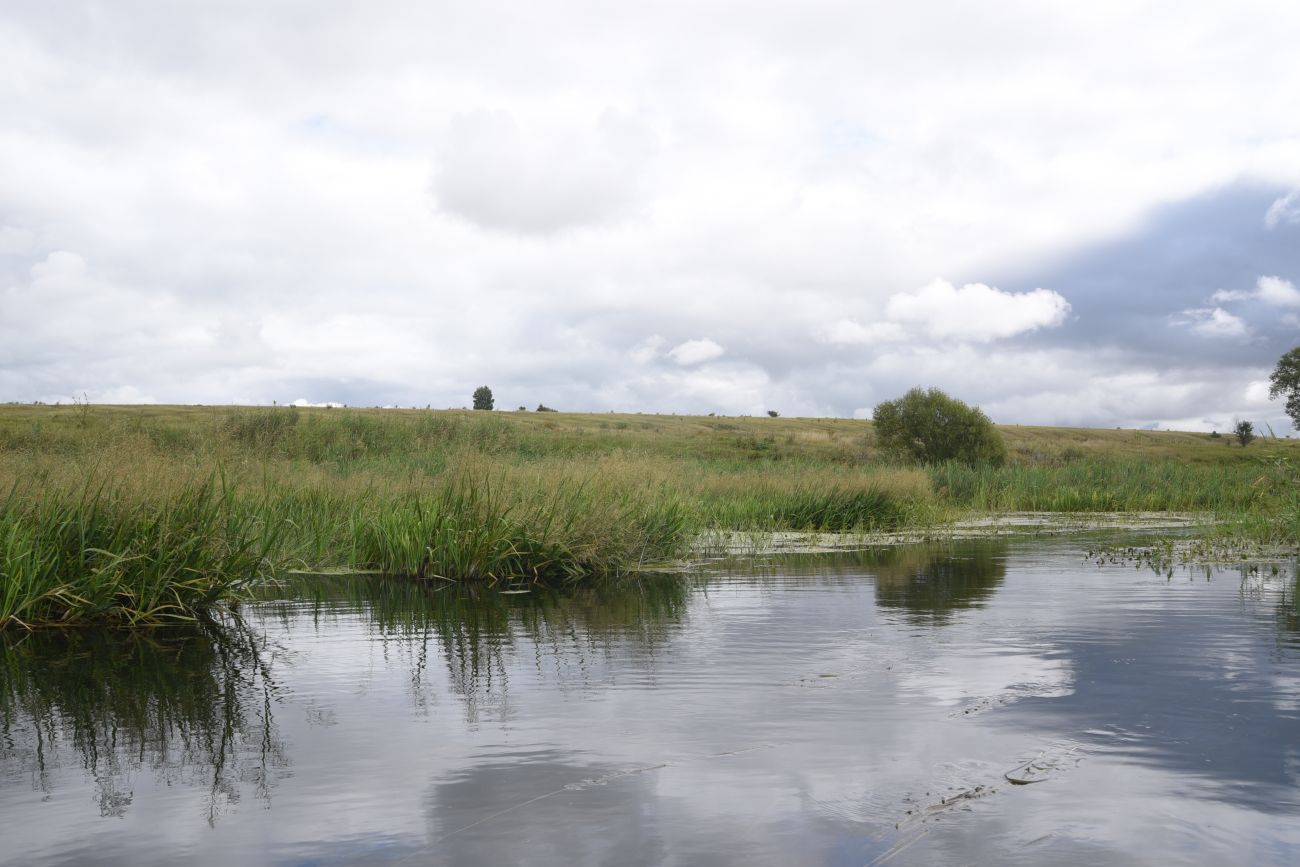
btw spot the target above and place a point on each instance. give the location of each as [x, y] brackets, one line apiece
[145, 514]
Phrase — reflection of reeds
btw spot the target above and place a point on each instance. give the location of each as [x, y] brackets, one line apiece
[193, 703]
[472, 629]
[401, 608]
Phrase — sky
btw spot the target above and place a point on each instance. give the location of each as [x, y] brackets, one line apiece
[1074, 214]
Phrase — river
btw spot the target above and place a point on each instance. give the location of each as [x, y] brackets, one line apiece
[981, 702]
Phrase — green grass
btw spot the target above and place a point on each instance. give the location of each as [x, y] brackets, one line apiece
[1107, 484]
[139, 515]
[96, 555]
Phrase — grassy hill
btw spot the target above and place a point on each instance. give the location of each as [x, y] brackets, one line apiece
[702, 437]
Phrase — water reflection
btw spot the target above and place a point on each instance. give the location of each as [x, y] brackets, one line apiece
[194, 705]
[928, 582]
[810, 710]
[535, 793]
[474, 633]
[1288, 603]
[400, 606]
[931, 583]
[1209, 693]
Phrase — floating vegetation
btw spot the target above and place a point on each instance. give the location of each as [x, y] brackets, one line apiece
[1166, 555]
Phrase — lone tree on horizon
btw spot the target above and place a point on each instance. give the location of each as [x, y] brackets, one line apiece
[1245, 433]
[1285, 382]
[483, 397]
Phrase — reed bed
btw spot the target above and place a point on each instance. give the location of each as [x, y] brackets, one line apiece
[101, 556]
[815, 499]
[148, 516]
[1108, 485]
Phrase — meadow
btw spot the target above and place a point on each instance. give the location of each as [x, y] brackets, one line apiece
[137, 515]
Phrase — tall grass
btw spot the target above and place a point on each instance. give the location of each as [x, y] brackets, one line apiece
[142, 516]
[467, 532]
[815, 499]
[160, 548]
[100, 555]
[1105, 485]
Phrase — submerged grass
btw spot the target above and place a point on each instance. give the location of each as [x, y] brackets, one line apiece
[145, 515]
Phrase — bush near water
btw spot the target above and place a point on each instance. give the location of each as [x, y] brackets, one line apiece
[147, 514]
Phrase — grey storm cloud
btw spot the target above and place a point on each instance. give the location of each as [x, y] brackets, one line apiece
[1207, 254]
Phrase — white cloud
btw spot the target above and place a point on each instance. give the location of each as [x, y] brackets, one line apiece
[123, 394]
[695, 352]
[1271, 290]
[1213, 322]
[59, 269]
[16, 241]
[304, 402]
[648, 350]
[850, 332]
[1276, 291]
[542, 178]
[1227, 296]
[977, 312]
[1285, 209]
[454, 201]
[1257, 394]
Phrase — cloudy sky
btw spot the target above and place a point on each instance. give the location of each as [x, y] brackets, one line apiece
[1082, 214]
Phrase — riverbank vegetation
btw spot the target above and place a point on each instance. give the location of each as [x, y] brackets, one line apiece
[149, 514]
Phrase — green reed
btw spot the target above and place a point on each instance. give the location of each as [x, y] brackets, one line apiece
[98, 554]
[206, 502]
[1105, 485]
[469, 532]
[830, 509]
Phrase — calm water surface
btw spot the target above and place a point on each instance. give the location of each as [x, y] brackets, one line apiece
[982, 703]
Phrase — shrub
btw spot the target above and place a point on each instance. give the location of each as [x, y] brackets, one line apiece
[1244, 432]
[930, 427]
